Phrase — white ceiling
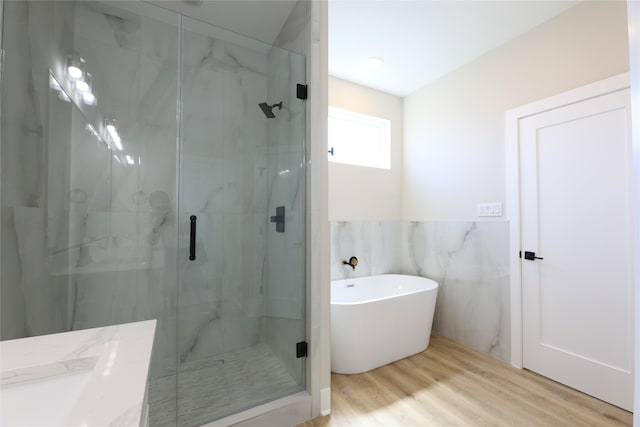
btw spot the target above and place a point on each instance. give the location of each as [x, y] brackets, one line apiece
[419, 40]
[423, 40]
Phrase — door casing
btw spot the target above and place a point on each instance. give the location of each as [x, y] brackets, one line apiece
[512, 160]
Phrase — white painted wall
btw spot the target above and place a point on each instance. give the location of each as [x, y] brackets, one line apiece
[362, 193]
[454, 127]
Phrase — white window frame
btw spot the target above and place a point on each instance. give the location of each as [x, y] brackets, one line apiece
[381, 158]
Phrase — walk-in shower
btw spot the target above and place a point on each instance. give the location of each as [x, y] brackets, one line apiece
[105, 164]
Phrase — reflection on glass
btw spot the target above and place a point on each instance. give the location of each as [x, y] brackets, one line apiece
[110, 125]
[89, 98]
[80, 80]
[75, 66]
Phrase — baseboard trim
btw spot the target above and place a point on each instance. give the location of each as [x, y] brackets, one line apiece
[325, 401]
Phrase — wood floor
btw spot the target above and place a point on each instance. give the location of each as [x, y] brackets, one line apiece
[451, 385]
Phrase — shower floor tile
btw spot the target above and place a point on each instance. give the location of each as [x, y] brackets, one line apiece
[217, 386]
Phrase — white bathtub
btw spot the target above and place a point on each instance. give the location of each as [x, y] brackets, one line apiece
[377, 320]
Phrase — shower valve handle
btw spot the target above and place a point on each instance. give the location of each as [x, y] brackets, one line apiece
[192, 238]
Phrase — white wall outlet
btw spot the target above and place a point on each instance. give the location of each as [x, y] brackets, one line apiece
[489, 209]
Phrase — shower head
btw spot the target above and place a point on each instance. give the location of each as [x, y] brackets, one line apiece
[268, 109]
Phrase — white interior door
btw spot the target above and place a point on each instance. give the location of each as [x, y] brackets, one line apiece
[577, 300]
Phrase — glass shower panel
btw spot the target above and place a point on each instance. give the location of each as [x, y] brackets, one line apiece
[96, 228]
[89, 228]
[77, 189]
[25, 98]
[284, 300]
[237, 330]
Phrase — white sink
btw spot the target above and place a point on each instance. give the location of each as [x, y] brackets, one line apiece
[43, 395]
[90, 377]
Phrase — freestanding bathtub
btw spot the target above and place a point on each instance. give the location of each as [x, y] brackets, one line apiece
[377, 320]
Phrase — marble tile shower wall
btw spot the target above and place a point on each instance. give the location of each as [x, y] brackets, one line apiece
[72, 215]
[134, 59]
[469, 260]
[16, 322]
[224, 170]
[38, 33]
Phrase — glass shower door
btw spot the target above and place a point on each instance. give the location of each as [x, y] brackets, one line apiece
[241, 284]
[97, 233]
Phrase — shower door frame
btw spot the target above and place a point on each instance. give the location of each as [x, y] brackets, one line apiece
[298, 399]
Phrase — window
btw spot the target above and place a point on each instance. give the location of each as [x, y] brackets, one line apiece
[358, 139]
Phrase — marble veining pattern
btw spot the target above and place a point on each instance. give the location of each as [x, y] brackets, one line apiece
[116, 359]
[53, 369]
[469, 260]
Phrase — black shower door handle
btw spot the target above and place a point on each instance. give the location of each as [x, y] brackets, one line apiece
[192, 238]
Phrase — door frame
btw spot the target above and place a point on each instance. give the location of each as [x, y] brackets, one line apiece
[512, 167]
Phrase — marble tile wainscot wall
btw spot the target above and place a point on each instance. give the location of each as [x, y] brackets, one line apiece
[469, 260]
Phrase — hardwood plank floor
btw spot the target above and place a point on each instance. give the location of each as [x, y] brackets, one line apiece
[451, 385]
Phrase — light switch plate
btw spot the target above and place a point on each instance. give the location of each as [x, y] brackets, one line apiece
[489, 209]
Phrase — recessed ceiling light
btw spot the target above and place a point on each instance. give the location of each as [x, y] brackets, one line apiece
[374, 63]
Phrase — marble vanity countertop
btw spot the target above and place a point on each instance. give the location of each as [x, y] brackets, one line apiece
[91, 377]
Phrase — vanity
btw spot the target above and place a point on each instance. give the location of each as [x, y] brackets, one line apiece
[91, 377]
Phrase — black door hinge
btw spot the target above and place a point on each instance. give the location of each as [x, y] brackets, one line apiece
[301, 349]
[301, 91]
